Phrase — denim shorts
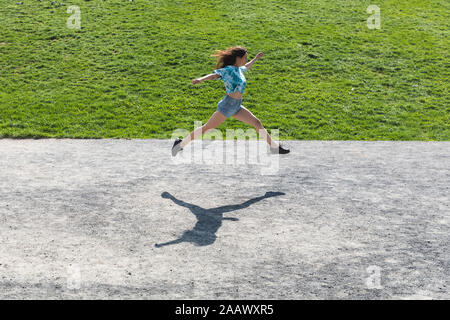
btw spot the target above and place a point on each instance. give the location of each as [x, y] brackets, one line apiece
[229, 106]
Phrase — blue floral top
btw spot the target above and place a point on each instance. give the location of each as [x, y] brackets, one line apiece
[233, 77]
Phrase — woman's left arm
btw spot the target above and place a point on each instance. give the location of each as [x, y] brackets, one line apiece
[248, 65]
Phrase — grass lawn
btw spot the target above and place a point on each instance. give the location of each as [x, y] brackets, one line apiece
[127, 73]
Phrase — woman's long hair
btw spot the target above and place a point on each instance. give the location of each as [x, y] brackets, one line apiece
[228, 56]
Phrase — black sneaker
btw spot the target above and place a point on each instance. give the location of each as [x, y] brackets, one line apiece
[176, 147]
[279, 150]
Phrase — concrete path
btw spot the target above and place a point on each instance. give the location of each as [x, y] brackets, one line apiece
[123, 219]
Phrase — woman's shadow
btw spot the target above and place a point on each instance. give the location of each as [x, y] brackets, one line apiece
[208, 220]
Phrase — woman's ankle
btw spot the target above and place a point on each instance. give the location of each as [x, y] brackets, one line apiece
[274, 145]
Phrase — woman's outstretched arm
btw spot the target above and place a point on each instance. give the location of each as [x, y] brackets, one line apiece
[248, 65]
[207, 77]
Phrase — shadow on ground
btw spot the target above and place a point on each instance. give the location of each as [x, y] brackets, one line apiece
[208, 220]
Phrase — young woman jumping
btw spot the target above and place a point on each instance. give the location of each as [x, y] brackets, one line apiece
[231, 65]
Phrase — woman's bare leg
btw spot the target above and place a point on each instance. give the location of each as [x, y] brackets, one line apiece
[216, 119]
[246, 116]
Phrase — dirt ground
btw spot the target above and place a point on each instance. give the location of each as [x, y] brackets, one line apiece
[122, 219]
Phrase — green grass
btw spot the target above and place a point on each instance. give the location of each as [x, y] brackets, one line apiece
[127, 73]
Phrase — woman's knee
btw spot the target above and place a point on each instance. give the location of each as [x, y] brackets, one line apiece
[207, 127]
[258, 124]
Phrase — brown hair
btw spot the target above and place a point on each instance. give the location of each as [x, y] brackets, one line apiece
[228, 56]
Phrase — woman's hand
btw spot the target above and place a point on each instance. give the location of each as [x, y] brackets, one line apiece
[196, 81]
[259, 55]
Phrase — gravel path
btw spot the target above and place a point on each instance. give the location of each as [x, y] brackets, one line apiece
[122, 219]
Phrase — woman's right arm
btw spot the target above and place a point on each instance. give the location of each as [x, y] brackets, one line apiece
[207, 77]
